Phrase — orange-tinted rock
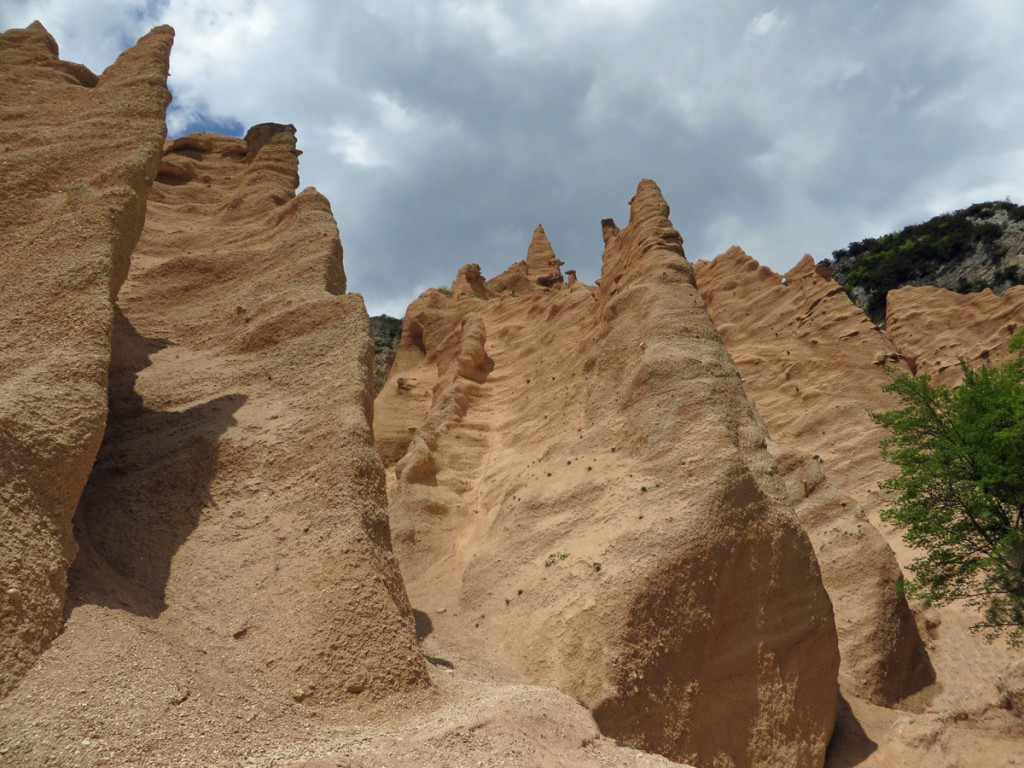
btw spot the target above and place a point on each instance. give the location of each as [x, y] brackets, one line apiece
[234, 534]
[587, 502]
[470, 281]
[812, 362]
[933, 328]
[258, 285]
[541, 271]
[78, 155]
[808, 358]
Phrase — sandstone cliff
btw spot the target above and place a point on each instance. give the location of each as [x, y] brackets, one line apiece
[79, 153]
[583, 498]
[583, 495]
[234, 544]
[812, 363]
[234, 597]
[932, 328]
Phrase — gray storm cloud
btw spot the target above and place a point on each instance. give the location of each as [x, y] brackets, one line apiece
[443, 133]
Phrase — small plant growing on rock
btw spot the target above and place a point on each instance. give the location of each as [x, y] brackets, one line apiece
[554, 557]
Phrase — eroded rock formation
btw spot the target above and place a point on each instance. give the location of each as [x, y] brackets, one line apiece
[583, 497]
[541, 270]
[933, 328]
[470, 281]
[79, 153]
[234, 527]
[812, 363]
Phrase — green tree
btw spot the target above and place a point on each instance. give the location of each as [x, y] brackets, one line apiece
[960, 452]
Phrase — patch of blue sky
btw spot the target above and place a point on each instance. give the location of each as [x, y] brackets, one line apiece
[226, 126]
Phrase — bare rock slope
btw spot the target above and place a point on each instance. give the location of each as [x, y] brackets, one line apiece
[933, 328]
[812, 363]
[77, 155]
[234, 598]
[235, 565]
[582, 497]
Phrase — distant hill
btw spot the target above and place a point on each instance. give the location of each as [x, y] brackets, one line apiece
[386, 332]
[965, 251]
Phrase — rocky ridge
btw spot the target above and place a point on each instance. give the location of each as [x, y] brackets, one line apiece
[234, 599]
[236, 506]
[796, 360]
[582, 497]
[815, 366]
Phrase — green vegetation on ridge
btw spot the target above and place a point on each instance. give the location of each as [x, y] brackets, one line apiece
[878, 265]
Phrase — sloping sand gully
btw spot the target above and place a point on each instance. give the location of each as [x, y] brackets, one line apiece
[814, 365]
[586, 501]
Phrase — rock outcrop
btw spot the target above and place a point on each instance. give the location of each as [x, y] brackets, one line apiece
[981, 246]
[932, 328]
[583, 498]
[812, 363]
[78, 154]
[470, 281]
[234, 527]
[540, 271]
[583, 495]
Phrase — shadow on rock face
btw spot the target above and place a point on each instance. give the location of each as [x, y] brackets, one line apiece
[148, 487]
[850, 745]
[424, 626]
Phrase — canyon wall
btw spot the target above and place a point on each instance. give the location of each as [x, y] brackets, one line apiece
[234, 559]
[582, 495]
[919, 688]
[813, 364]
[79, 153]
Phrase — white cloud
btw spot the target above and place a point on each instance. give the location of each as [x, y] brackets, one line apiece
[356, 148]
[763, 24]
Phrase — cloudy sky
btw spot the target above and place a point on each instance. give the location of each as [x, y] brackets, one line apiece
[444, 131]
